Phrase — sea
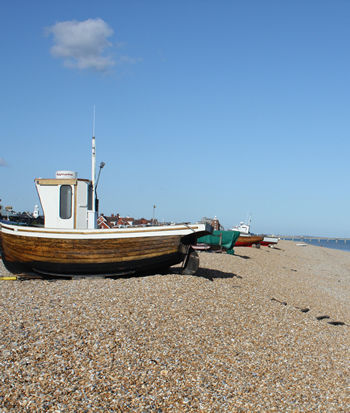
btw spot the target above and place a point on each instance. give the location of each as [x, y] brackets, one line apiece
[336, 244]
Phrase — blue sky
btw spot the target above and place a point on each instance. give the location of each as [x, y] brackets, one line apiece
[203, 108]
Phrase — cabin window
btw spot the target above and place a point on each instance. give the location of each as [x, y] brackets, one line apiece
[65, 201]
[89, 197]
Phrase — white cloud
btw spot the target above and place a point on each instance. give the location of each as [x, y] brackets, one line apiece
[82, 44]
[3, 162]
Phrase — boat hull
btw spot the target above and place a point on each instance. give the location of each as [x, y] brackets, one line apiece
[95, 252]
[248, 241]
[269, 241]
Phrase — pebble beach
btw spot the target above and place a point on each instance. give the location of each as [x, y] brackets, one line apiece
[263, 330]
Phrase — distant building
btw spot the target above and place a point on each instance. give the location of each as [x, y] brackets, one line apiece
[214, 222]
[116, 221]
[102, 222]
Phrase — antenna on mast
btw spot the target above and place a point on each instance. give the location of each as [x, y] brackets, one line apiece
[93, 121]
[93, 161]
[92, 214]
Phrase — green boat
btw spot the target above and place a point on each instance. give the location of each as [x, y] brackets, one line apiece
[219, 240]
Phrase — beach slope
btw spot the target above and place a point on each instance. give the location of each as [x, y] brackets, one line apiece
[263, 330]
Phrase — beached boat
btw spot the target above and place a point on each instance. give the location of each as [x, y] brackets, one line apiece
[87, 252]
[246, 239]
[219, 241]
[249, 240]
[243, 228]
[70, 243]
[269, 241]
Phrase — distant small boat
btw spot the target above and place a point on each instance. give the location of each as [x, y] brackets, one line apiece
[249, 240]
[269, 241]
[243, 228]
[246, 239]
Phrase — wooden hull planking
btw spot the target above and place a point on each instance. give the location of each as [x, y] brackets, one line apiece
[248, 241]
[80, 255]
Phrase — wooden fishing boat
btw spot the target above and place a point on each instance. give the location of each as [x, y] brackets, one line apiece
[87, 252]
[246, 239]
[249, 240]
[71, 244]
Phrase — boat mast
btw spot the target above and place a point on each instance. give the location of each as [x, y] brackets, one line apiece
[93, 163]
[91, 213]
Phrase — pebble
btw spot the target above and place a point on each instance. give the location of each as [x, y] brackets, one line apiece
[218, 341]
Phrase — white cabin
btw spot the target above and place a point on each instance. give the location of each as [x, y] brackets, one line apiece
[67, 201]
[242, 228]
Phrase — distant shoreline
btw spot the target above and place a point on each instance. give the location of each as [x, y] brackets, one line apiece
[341, 244]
